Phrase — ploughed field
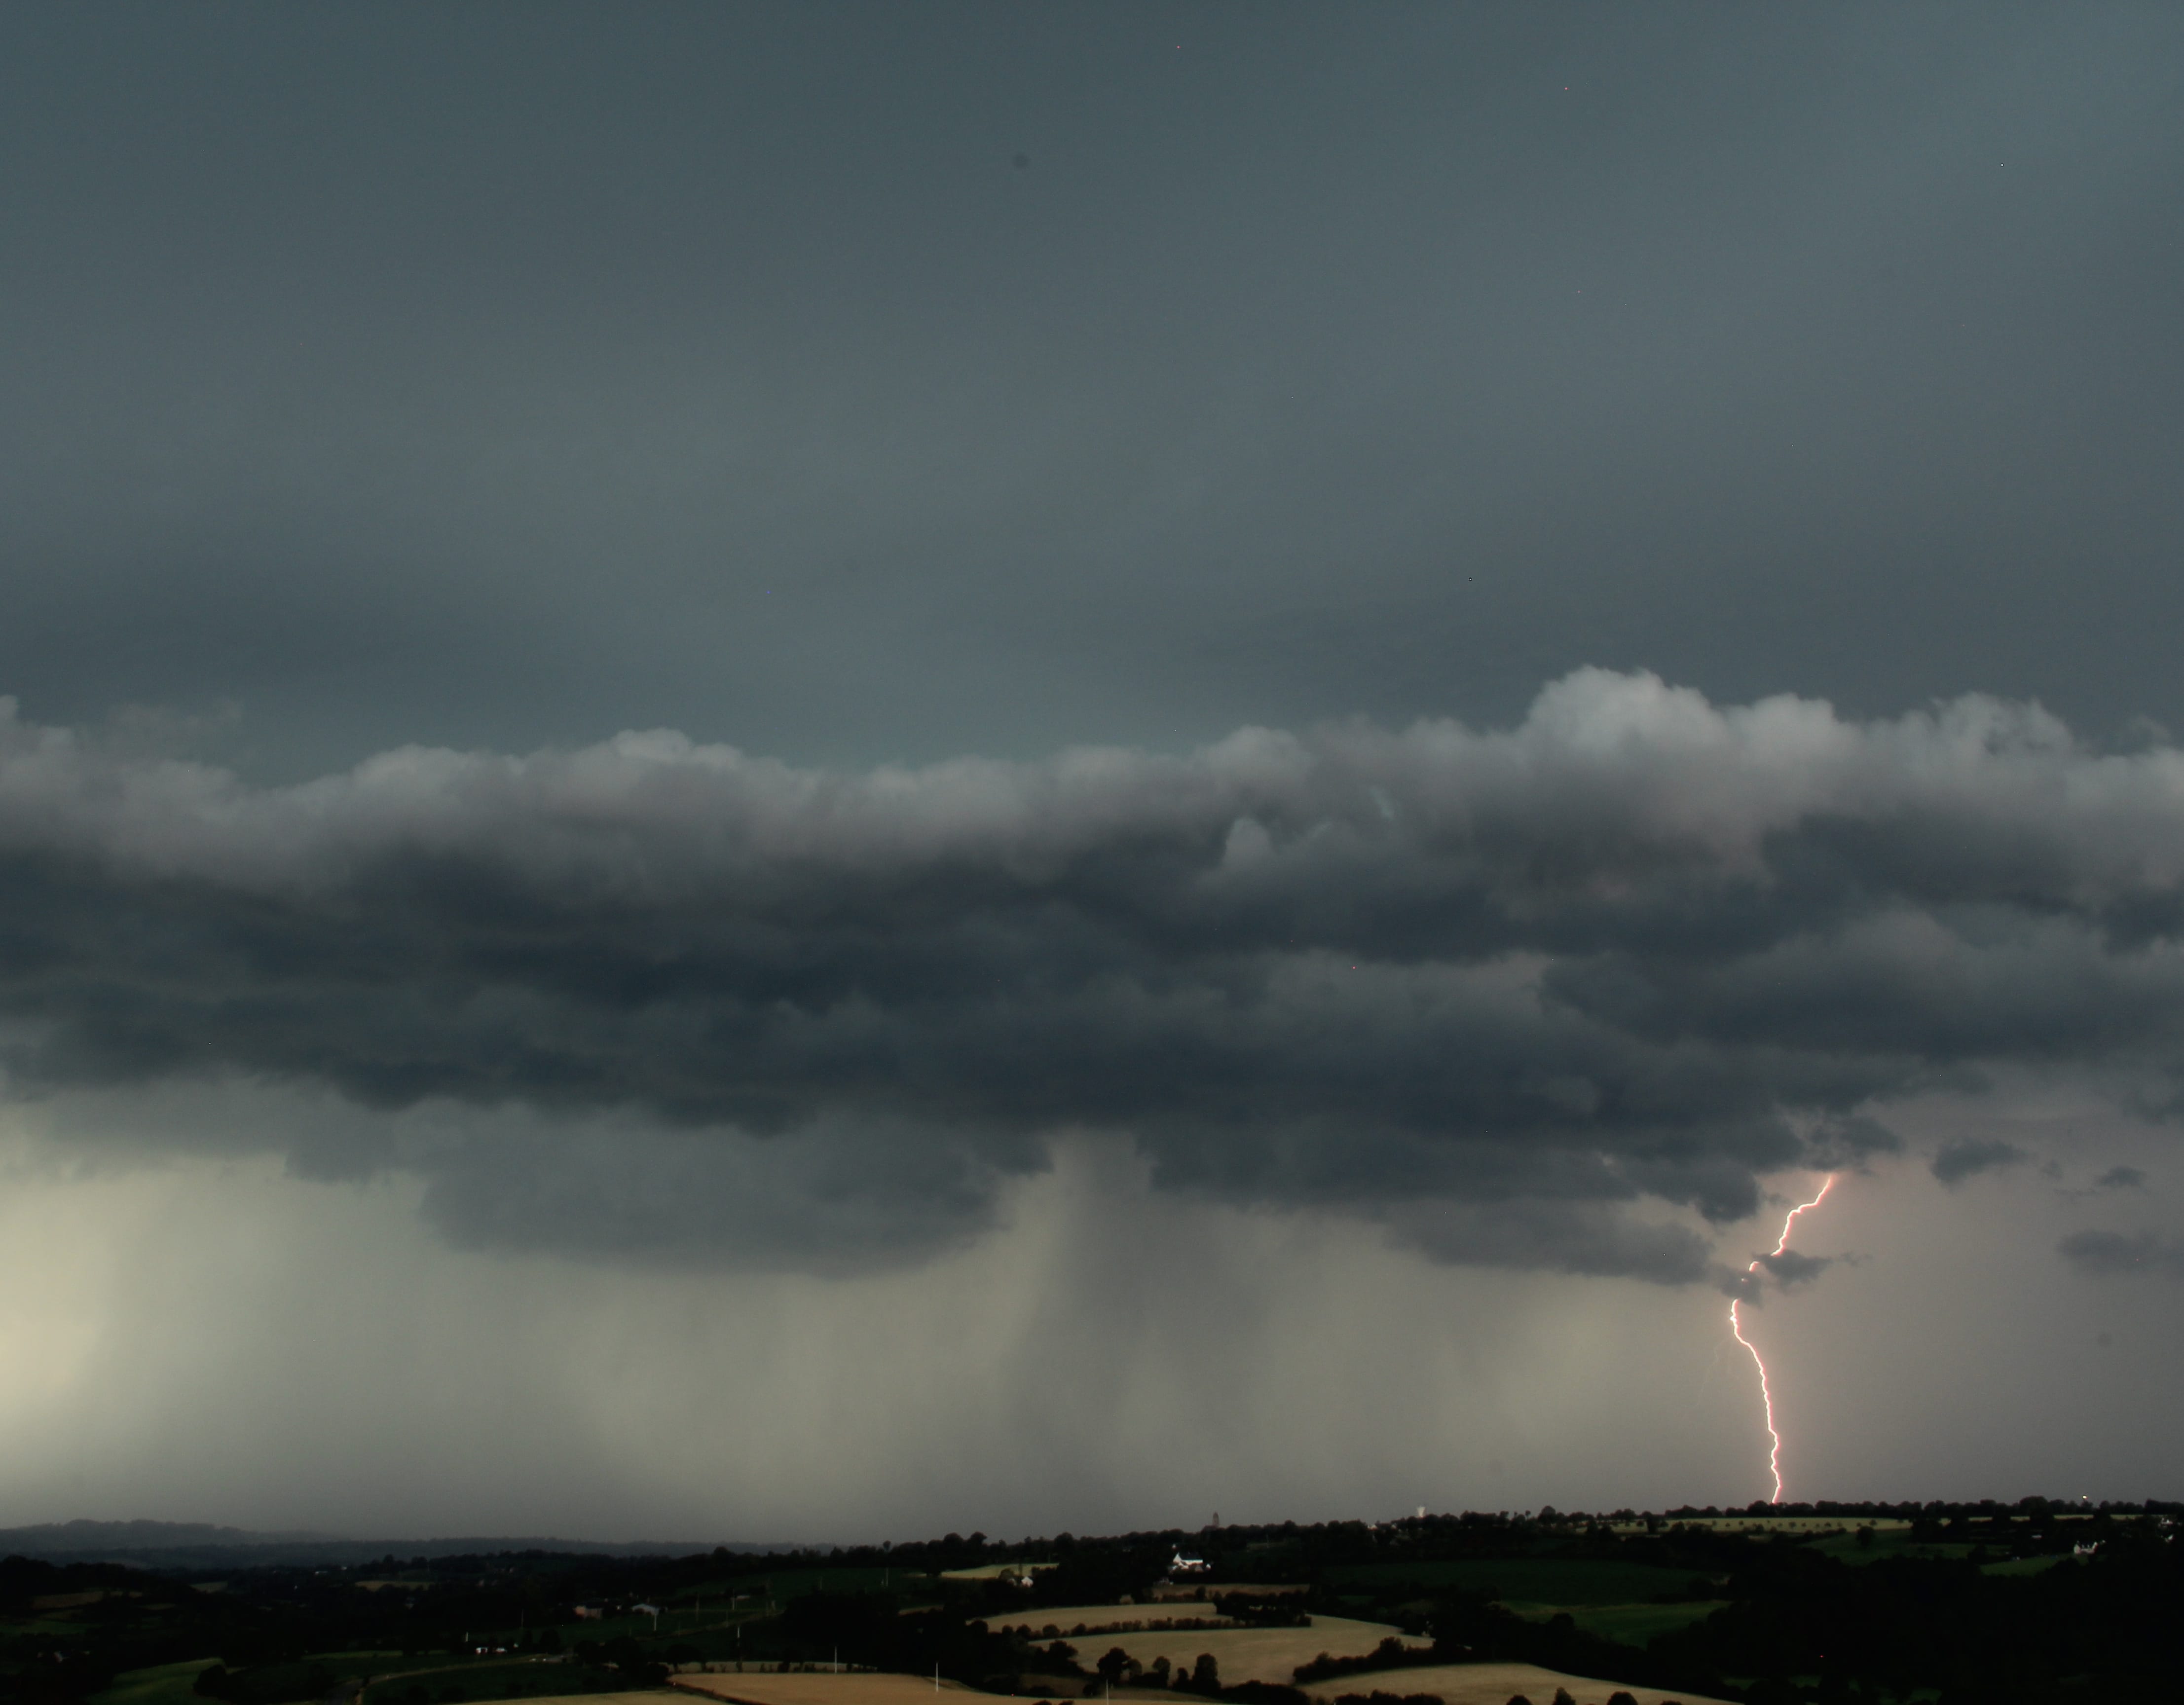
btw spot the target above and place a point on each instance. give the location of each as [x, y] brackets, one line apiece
[1243, 1654]
[1454, 1684]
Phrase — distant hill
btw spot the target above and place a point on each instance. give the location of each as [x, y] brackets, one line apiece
[200, 1545]
[80, 1536]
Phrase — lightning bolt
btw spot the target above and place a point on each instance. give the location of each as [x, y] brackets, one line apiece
[1736, 1327]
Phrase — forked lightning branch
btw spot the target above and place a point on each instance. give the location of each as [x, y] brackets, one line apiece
[1736, 1326]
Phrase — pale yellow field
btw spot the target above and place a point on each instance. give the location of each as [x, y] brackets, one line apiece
[1244, 1654]
[1493, 1684]
[799, 1688]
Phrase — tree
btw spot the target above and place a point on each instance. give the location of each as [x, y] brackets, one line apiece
[1205, 1674]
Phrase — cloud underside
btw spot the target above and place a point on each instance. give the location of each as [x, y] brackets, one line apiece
[1526, 996]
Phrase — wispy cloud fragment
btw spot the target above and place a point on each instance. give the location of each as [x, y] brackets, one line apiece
[2107, 1254]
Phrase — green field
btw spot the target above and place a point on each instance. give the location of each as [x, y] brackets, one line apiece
[794, 1583]
[492, 1679]
[1897, 1542]
[1845, 1548]
[2022, 1565]
[1566, 1584]
[169, 1684]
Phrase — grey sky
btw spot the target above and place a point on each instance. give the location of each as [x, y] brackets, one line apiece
[499, 375]
[1401, 640]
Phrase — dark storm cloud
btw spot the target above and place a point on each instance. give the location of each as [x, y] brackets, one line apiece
[1972, 1155]
[2121, 1178]
[2106, 1254]
[1638, 949]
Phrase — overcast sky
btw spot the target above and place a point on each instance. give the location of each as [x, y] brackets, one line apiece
[827, 772]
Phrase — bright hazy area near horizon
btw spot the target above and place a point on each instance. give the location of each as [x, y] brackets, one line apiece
[811, 773]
